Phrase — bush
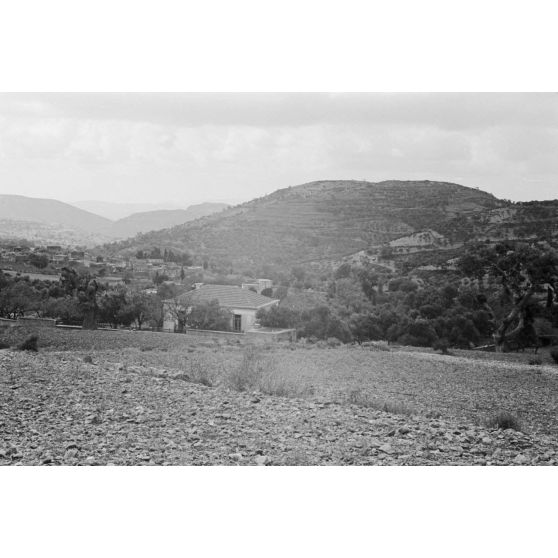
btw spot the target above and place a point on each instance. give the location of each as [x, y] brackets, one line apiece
[248, 374]
[200, 373]
[4, 345]
[333, 342]
[30, 344]
[441, 345]
[554, 355]
[535, 361]
[358, 397]
[504, 421]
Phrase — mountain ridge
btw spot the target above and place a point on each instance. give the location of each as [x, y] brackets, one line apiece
[146, 221]
[46, 210]
[88, 227]
[325, 218]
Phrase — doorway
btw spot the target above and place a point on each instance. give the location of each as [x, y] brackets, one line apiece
[237, 322]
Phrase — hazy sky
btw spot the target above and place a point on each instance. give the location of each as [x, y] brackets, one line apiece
[234, 147]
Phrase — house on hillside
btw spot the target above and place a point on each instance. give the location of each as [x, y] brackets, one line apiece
[243, 304]
[259, 285]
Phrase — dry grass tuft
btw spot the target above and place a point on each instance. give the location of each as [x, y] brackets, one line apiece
[258, 372]
[31, 343]
[357, 397]
[504, 420]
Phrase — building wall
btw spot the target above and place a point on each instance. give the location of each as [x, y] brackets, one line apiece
[248, 318]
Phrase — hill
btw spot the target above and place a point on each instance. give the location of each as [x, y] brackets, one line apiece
[53, 221]
[119, 210]
[325, 219]
[160, 219]
[45, 233]
[52, 212]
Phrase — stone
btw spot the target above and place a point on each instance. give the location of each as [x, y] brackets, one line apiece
[521, 459]
[386, 448]
[71, 453]
[261, 460]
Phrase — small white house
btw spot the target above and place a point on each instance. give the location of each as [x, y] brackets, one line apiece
[243, 304]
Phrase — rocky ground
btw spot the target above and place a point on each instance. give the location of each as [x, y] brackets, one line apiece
[59, 409]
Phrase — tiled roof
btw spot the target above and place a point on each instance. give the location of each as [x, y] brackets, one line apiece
[228, 296]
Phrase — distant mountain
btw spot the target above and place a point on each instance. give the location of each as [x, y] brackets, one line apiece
[328, 220]
[52, 212]
[44, 219]
[44, 233]
[162, 219]
[115, 211]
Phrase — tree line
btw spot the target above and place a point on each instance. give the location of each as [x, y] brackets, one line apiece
[503, 295]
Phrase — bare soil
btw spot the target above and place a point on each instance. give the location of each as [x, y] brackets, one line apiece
[133, 398]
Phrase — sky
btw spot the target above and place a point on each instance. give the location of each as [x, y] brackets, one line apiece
[232, 147]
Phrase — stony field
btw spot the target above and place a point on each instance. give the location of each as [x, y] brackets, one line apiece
[132, 398]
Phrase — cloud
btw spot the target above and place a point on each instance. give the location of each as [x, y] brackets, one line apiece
[443, 110]
[196, 146]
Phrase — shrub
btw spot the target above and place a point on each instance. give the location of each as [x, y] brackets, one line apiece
[4, 345]
[358, 397]
[535, 361]
[88, 359]
[554, 355]
[256, 372]
[30, 344]
[333, 342]
[504, 421]
[248, 374]
[200, 373]
[441, 345]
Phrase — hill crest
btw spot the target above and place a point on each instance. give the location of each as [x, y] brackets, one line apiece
[321, 219]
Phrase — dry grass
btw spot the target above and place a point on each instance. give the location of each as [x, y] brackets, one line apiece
[358, 397]
[504, 420]
[257, 371]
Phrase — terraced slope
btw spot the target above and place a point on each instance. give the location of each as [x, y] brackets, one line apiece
[319, 220]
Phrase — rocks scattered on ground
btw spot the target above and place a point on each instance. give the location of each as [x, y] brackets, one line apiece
[67, 412]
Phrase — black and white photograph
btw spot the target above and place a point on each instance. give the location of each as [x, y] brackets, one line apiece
[214, 279]
[278, 280]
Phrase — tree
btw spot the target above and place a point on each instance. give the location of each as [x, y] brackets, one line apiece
[84, 288]
[40, 261]
[66, 309]
[523, 270]
[299, 273]
[208, 315]
[386, 253]
[145, 307]
[17, 298]
[278, 317]
[113, 307]
[160, 278]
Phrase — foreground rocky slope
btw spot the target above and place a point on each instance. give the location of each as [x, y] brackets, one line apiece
[59, 409]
